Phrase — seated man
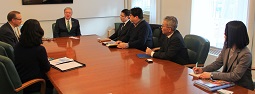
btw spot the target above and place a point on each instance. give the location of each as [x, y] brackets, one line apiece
[9, 32]
[173, 47]
[140, 34]
[121, 32]
[67, 26]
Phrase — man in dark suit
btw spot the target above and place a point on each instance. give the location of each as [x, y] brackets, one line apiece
[67, 26]
[140, 34]
[173, 47]
[123, 29]
[9, 32]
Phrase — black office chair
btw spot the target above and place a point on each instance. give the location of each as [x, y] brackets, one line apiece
[156, 35]
[198, 48]
[10, 82]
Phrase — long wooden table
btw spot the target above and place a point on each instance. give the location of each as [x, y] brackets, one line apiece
[118, 71]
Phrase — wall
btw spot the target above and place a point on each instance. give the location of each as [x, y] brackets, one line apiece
[180, 9]
[90, 15]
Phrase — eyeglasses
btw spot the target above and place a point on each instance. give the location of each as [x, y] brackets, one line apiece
[165, 26]
[18, 19]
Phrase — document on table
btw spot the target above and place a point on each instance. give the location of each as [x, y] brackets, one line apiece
[65, 64]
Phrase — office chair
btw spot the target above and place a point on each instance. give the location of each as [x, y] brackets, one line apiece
[116, 27]
[156, 35]
[10, 82]
[198, 48]
[8, 49]
[53, 30]
[3, 52]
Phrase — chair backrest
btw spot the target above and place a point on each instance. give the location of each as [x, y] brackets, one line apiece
[53, 30]
[156, 35]
[8, 49]
[198, 48]
[9, 78]
[3, 52]
[116, 26]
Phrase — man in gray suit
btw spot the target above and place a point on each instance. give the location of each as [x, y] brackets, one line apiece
[235, 58]
[9, 32]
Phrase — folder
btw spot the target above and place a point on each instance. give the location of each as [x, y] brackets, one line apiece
[213, 85]
[143, 56]
[65, 64]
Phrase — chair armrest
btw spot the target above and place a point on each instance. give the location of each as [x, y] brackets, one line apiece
[31, 82]
[110, 32]
[193, 65]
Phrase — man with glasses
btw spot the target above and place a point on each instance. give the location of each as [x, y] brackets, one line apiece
[10, 32]
[173, 47]
[67, 26]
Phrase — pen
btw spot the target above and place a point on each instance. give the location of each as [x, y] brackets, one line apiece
[196, 64]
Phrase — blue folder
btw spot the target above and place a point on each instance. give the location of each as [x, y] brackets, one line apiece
[143, 56]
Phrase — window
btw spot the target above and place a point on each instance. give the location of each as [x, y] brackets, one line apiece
[209, 17]
[145, 5]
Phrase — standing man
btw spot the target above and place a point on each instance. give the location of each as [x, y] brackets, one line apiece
[67, 26]
[10, 32]
[140, 34]
[123, 29]
[173, 47]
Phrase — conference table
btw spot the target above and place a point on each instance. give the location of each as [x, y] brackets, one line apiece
[118, 71]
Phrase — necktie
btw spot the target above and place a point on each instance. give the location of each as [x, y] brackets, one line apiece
[122, 26]
[68, 26]
[16, 32]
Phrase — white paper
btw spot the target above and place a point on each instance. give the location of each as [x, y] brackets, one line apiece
[60, 60]
[195, 75]
[69, 65]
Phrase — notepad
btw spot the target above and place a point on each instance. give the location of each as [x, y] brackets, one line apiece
[65, 64]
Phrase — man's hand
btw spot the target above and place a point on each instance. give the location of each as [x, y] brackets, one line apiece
[122, 45]
[148, 51]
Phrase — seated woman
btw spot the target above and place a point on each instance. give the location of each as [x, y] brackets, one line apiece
[31, 60]
[235, 58]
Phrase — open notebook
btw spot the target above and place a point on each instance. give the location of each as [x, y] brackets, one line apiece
[65, 64]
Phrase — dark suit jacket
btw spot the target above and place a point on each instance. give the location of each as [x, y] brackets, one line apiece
[30, 65]
[7, 35]
[61, 30]
[139, 37]
[237, 69]
[120, 33]
[173, 49]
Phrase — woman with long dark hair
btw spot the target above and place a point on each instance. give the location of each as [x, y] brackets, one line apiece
[235, 58]
[31, 60]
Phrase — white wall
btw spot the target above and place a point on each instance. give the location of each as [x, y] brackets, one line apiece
[95, 16]
[180, 9]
